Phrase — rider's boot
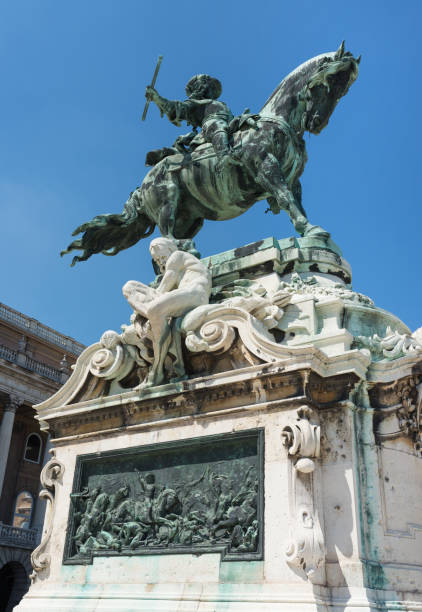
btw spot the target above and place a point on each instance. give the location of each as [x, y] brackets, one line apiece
[220, 141]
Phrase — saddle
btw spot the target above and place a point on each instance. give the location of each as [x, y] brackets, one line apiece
[188, 143]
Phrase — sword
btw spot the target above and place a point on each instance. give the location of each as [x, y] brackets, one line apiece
[154, 78]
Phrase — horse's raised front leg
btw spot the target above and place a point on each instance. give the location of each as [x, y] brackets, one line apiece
[270, 178]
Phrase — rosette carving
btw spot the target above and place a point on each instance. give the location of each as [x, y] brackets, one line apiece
[305, 549]
[51, 476]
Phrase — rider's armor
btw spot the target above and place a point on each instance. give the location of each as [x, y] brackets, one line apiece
[212, 116]
[200, 110]
[215, 126]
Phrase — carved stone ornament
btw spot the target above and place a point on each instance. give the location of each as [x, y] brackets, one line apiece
[192, 316]
[393, 346]
[310, 286]
[51, 476]
[409, 415]
[306, 549]
[14, 402]
[177, 317]
[212, 327]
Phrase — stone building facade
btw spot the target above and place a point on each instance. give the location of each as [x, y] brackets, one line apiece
[35, 361]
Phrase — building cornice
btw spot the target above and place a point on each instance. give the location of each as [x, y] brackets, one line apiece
[35, 328]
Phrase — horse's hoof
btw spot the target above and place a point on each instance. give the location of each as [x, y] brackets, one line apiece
[316, 231]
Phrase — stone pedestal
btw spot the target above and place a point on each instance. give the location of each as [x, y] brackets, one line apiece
[283, 474]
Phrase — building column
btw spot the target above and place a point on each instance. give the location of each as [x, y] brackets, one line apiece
[6, 429]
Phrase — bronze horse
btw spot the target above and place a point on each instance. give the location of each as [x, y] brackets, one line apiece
[184, 189]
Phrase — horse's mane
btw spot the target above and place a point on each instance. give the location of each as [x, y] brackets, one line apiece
[284, 97]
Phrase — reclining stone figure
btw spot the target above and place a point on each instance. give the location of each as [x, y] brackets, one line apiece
[186, 283]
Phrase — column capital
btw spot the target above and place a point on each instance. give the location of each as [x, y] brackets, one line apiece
[14, 402]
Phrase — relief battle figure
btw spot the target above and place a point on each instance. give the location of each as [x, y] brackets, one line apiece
[212, 510]
[239, 162]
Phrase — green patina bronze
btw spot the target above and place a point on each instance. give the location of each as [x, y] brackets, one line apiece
[193, 496]
[233, 162]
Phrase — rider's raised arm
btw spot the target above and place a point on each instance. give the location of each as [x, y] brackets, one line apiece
[175, 110]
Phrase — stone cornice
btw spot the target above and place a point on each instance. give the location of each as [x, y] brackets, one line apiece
[305, 375]
[309, 376]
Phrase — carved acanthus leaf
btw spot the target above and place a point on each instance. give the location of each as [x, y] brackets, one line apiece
[311, 286]
[392, 346]
[409, 392]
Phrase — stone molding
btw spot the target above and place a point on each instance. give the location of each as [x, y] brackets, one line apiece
[86, 396]
[280, 598]
[284, 256]
[31, 386]
[293, 378]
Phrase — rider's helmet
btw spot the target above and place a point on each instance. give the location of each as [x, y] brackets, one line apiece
[203, 86]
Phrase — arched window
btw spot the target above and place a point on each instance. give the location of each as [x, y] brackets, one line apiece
[23, 510]
[33, 448]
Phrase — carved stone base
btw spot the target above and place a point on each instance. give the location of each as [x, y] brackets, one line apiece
[283, 474]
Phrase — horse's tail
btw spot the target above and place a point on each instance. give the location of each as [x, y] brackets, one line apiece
[110, 234]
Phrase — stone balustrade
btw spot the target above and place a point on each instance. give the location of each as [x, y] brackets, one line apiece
[7, 353]
[16, 536]
[68, 345]
[43, 369]
[31, 364]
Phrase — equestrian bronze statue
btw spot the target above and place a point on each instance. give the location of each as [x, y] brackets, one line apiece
[226, 164]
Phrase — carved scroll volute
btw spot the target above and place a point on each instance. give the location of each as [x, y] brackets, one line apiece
[113, 361]
[306, 548]
[51, 476]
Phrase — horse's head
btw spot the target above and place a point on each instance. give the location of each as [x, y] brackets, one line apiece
[307, 97]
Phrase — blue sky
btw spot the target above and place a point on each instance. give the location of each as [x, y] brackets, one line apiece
[73, 76]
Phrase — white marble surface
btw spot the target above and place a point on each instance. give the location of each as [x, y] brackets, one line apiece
[204, 582]
[361, 488]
